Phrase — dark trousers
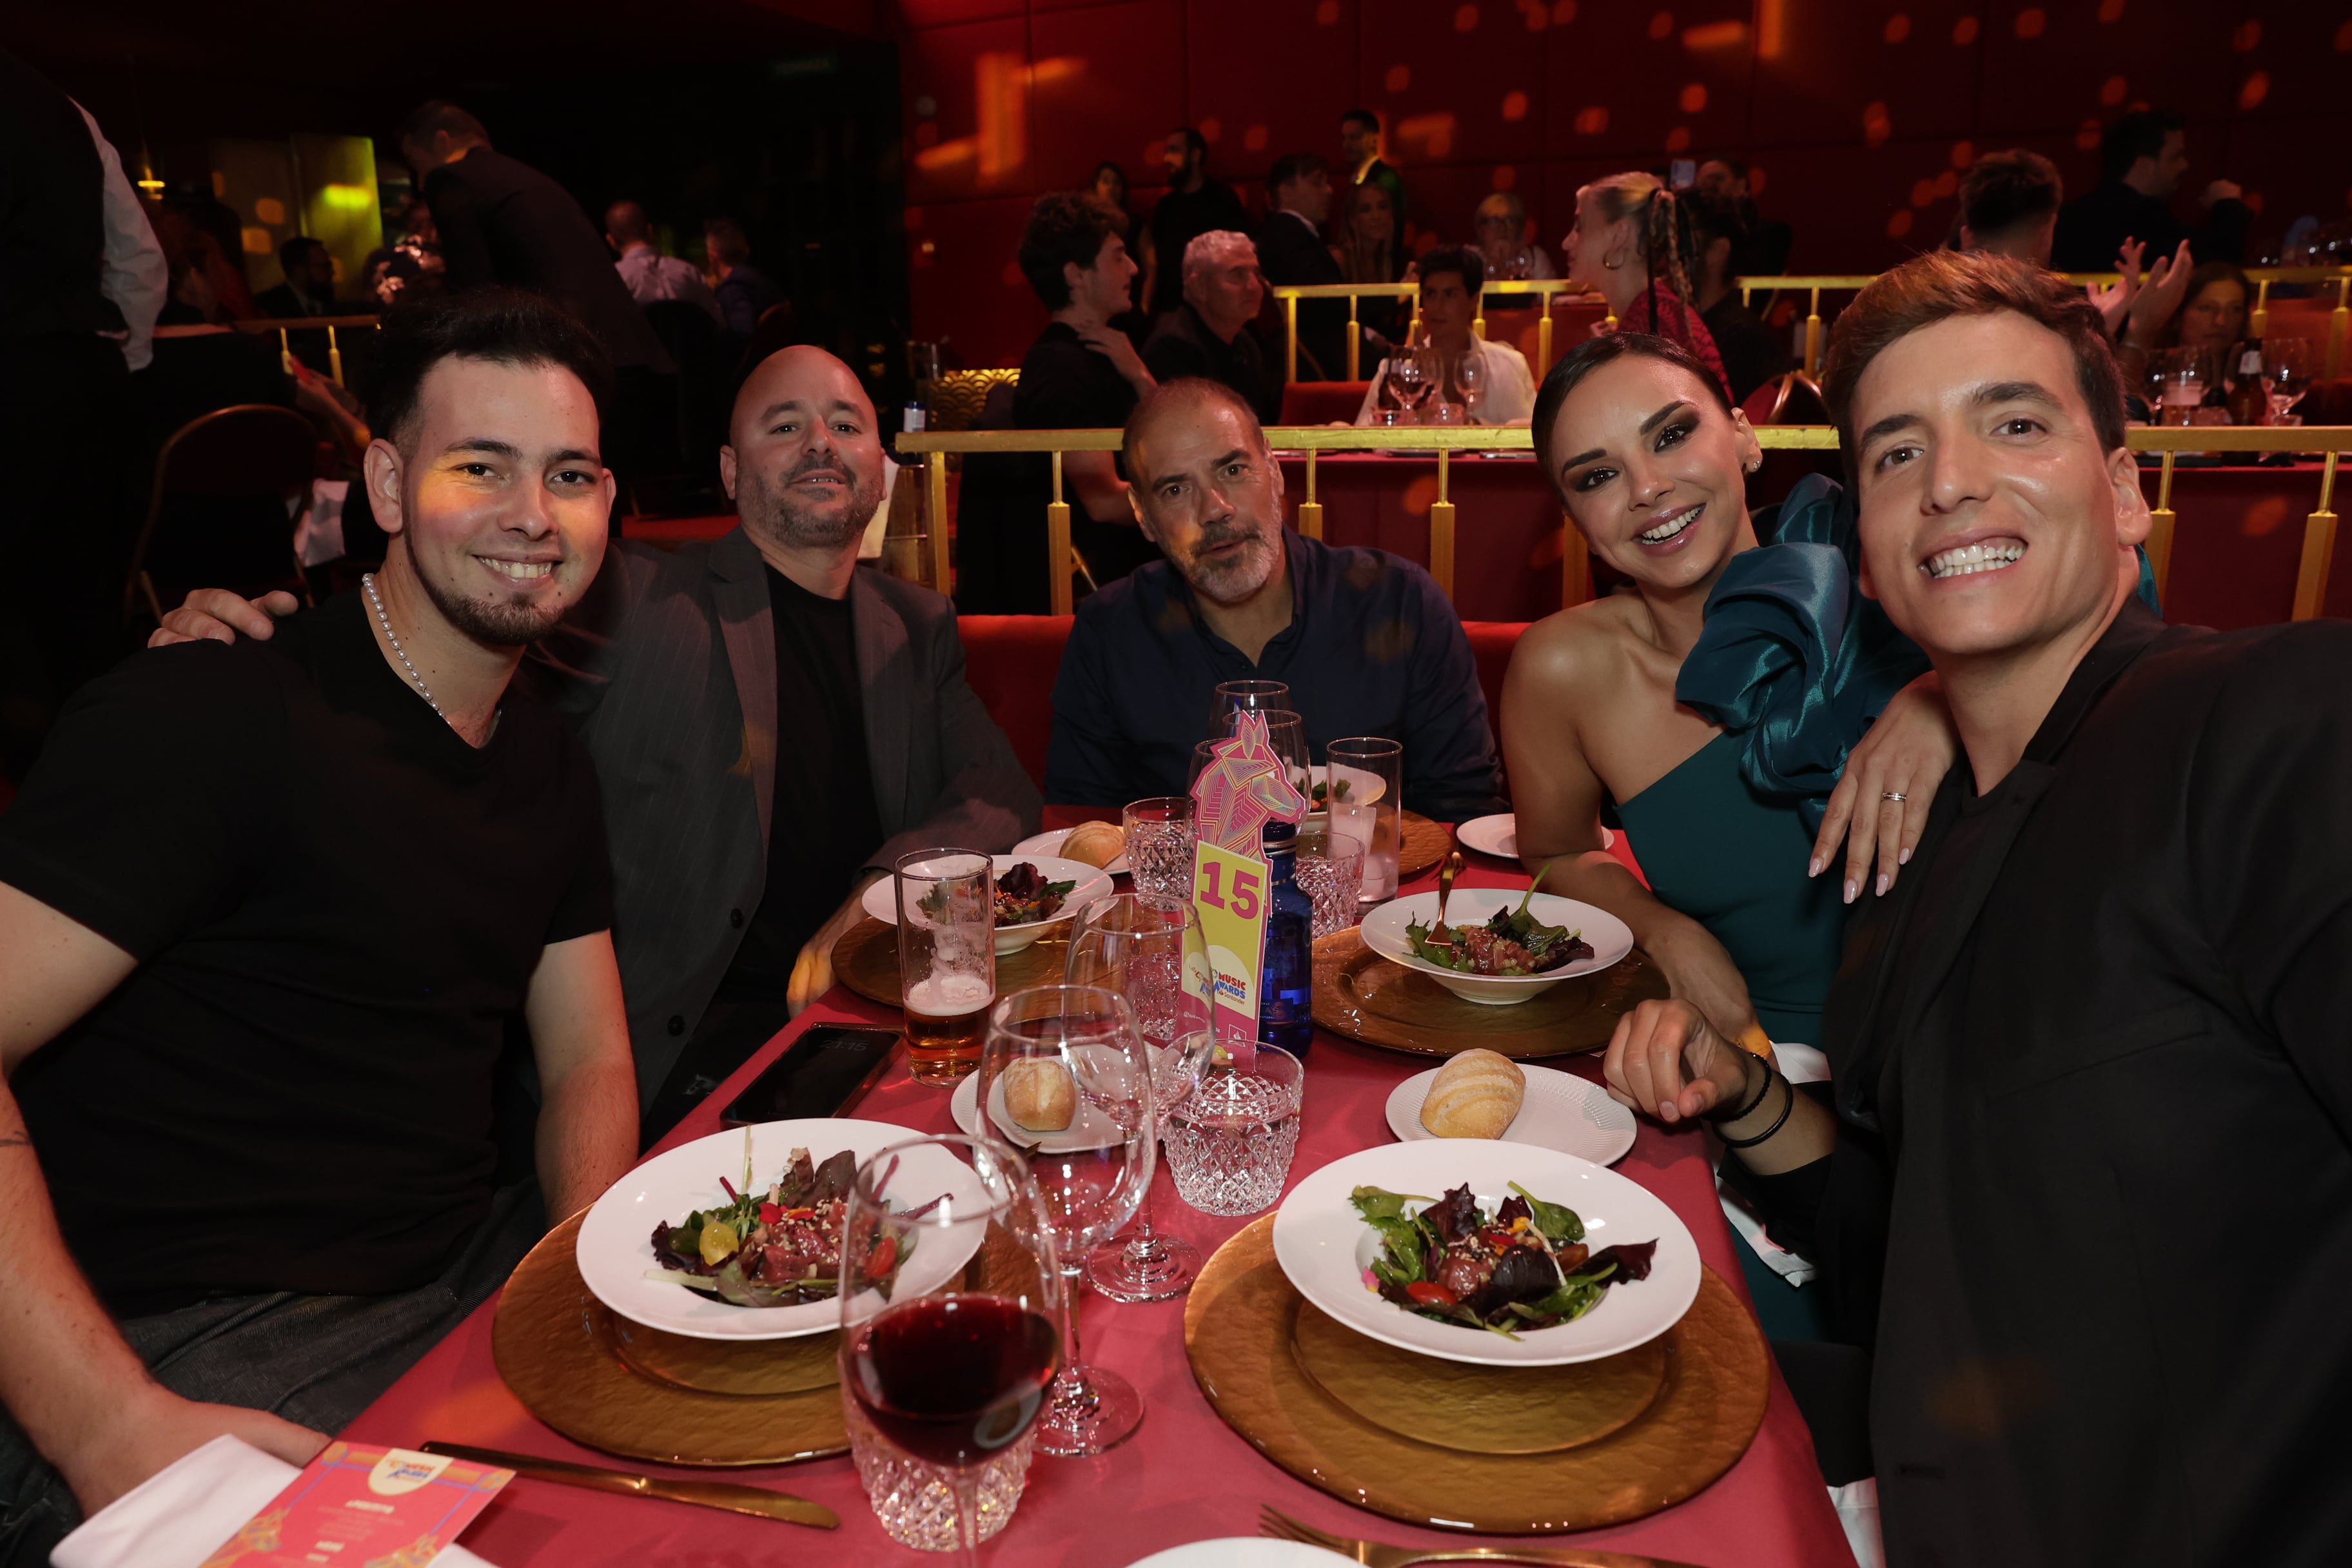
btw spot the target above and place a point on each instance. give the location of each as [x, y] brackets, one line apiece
[70, 446]
[315, 1359]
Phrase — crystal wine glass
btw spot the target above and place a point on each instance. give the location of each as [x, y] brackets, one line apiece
[1470, 380]
[1409, 377]
[2287, 374]
[1246, 696]
[1065, 1072]
[1286, 734]
[952, 1307]
[1149, 949]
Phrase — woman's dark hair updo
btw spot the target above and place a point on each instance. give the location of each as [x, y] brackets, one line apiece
[1589, 356]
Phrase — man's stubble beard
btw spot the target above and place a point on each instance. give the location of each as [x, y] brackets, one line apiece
[774, 512]
[495, 623]
[1230, 584]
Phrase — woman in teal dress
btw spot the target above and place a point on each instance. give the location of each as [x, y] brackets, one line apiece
[1711, 711]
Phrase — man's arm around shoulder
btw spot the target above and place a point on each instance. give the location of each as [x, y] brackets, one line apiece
[67, 1375]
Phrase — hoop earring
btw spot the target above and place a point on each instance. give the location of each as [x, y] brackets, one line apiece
[1613, 265]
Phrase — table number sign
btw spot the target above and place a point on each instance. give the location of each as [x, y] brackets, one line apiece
[364, 1508]
[1244, 787]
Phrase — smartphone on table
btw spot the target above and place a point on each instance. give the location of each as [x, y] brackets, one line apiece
[828, 1068]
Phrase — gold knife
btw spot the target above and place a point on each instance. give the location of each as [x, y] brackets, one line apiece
[757, 1502]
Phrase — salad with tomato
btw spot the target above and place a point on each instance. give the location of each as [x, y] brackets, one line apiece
[780, 1247]
[1523, 1265]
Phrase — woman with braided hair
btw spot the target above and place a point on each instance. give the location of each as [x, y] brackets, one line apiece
[1633, 243]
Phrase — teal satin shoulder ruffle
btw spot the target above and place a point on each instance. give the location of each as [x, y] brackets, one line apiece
[1794, 658]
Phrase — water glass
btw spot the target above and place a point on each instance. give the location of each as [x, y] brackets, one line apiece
[1160, 845]
[1369, 808]
[1230, 1142]
[1246, 696]
[1330, 871]
[1441, 411]
[1286, 733]
[946, 959]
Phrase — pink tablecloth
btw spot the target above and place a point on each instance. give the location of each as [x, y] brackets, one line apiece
[1183, 1477]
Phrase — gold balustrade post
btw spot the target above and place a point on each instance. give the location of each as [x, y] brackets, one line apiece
[1310, 511]
[2160, 533]
[2337, 323]
[935, 495]
[2259, 322]
[1478, 321]
[1575, 565]
[1813, 337]
[2318, 548]
[1289, 338]
[334, 357]
[1058, 545]
[1543, 336]
[1355, 347]
[1441, 532]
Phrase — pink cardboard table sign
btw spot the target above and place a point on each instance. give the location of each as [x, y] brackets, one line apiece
[1245, 787]
[381, 1507]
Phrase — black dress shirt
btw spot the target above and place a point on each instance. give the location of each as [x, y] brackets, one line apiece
[1290, 251]
[2093, 1180]
[1183, 345]
[1372, 649]
[2092, 228]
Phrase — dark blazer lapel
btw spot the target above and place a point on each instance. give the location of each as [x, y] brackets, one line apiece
[886, 677]
[739, 589]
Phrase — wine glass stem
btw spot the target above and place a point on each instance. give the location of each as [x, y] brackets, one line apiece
[966, 1487]
[1072, 1393]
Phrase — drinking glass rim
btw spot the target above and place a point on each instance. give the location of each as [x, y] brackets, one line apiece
[861, 1184]
[1166, 903]
[1365, 746]
[904, 865]
[1162, 803]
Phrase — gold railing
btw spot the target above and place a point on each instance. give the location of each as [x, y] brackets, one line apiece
[1550, 288]
[284, 325]
[2332, 441]
[2339, 322]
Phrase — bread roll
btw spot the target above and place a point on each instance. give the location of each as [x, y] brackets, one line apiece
[1040, 1094]
[1096, 843]
[1475, 1095]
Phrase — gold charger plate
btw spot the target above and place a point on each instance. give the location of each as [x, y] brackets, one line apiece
[1362, 995]
[1240, 1324]
[1477, 1409]
[1422, 843]
[866, 960]
[557, 1349]
[763, 1369]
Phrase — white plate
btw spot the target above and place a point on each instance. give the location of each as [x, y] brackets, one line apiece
[616, 1239]
[1050, 843]
[1561, 1110]
[1324, 1244]
[1384, 933]
[881, 899]
[1364, 787]
[1089, 1129]
[1496, 834]
[1499, 835]
[1237, 1552]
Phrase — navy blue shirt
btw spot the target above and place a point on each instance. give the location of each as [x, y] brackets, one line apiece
[1372, 649]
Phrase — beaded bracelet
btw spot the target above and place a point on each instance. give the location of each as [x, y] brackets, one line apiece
[1777, 1122]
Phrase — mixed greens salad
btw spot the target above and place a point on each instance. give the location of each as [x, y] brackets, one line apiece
[1525, 1266]
[1512, 943]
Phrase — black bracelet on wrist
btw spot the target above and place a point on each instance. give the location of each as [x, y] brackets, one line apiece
[1750, 1109]
[1777, 1122]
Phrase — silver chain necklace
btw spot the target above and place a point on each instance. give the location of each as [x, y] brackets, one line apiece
[367, 581]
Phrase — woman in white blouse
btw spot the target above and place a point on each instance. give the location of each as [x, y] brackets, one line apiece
[1502, 390]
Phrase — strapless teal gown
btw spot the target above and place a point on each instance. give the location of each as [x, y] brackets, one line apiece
[1733, 859]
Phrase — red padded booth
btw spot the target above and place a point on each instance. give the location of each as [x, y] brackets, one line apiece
[1011, 662]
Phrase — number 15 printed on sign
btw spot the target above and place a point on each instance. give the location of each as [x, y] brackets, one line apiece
[1229, 890]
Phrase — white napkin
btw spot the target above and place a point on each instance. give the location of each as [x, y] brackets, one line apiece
[177, 1516]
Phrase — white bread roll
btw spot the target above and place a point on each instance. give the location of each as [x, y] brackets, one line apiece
[1095, 844]
[1475, 1095]
[1040, 1094]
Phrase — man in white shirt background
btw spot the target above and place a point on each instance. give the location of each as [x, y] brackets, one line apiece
[650, 275]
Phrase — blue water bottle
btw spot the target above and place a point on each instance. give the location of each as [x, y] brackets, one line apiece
[1285, 1015]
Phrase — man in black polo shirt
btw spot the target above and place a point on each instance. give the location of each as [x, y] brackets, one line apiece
[267, 912]
[1082, 373]
[1365, 640]
[1211, 334]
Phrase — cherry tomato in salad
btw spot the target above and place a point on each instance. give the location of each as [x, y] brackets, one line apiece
[1429, 1293]
[883, 1257]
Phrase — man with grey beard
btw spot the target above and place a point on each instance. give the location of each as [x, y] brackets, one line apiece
[1365, 640]
[772, 728]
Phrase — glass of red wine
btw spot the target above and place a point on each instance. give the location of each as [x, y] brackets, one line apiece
[952, 1313]
[1065, 1077]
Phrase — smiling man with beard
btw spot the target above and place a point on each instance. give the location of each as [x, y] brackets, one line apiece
[1365, 640]
[774, 728]
[247, 1170]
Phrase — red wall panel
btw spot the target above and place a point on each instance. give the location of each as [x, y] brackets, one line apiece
[1853, 112]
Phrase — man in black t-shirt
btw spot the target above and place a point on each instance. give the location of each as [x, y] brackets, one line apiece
[247, 1133]
[1195, 204]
